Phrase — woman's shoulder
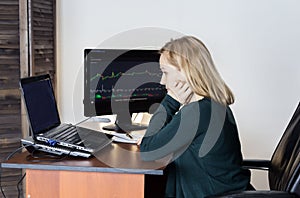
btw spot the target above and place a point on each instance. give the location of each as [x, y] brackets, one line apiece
[203, 105]
[203, 102]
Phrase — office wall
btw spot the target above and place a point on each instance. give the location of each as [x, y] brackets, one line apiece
[255, 45]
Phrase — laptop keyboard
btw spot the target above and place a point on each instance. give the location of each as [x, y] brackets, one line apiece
[67, 133]
[57, 131]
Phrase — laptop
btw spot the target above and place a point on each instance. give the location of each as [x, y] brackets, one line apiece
[45, 124]
[33, 146]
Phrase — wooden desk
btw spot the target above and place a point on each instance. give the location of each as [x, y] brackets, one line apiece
[116, 171]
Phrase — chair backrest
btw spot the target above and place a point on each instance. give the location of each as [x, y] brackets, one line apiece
[285, 163]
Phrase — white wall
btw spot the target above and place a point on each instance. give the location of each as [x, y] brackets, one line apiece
[255, 45]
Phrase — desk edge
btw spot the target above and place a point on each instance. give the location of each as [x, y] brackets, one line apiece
[82, 168]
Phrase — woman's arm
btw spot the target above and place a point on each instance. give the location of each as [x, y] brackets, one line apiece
[168, 132]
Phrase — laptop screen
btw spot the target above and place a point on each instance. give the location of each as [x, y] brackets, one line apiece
[40, 103]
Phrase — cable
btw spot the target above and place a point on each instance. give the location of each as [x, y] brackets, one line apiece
[14, 152]
[18, 185]
[1, 184]
[7, 158]
[36, 158]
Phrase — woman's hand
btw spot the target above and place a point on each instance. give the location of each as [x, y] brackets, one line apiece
[181, 92]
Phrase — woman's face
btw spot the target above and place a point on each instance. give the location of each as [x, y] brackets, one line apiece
[170, 73]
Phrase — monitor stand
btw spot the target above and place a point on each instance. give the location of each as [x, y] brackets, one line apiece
[123, 124]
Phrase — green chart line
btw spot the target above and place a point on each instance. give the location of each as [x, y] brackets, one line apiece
[113, 75]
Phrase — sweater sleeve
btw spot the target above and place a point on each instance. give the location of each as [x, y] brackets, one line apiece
[170, 131]
[163, 115]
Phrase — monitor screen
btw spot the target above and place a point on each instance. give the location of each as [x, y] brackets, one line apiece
[122, 82]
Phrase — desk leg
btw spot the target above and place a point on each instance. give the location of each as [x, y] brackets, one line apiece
[44, 183]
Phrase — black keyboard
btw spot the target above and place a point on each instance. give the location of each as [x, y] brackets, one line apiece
[66, 133]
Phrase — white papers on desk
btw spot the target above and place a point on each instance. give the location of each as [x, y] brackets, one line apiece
[124, 138]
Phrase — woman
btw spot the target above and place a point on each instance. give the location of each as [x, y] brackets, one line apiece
[194, 125]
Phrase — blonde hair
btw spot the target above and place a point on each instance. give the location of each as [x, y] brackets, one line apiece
[190, 55]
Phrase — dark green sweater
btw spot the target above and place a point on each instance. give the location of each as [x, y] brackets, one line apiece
[202, 139]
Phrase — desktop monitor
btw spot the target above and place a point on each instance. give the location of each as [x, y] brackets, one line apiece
[121, 82]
